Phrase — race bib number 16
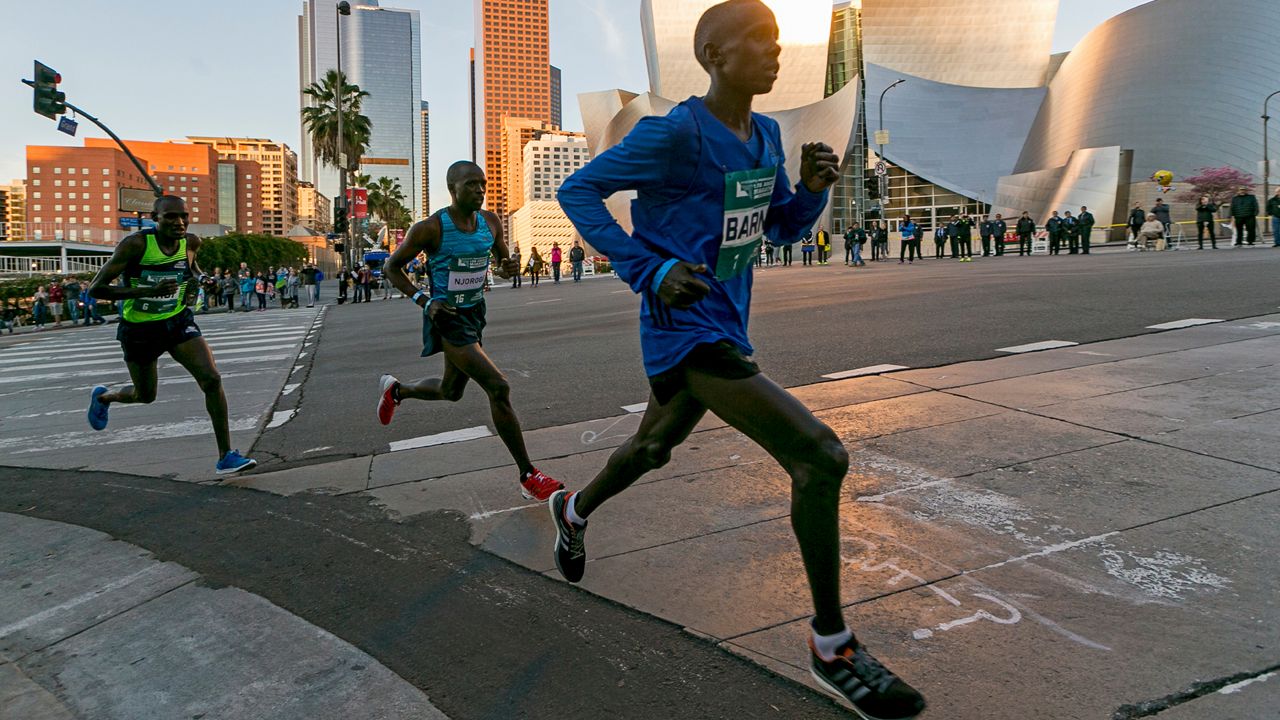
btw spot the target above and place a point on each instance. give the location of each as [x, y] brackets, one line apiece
[466, 279]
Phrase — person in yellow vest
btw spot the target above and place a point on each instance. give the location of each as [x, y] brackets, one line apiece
[160, 279]
[824, 245]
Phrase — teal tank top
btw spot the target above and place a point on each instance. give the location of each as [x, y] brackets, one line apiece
[459, 269]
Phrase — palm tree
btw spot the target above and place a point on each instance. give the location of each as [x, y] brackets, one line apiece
[386, 199]
[321, 121]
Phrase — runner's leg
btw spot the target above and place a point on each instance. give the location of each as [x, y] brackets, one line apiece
[143, 389]
[812, 455]
[195, 356]
[662, 429]
[472, 361]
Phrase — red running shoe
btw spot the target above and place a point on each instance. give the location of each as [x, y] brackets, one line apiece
[538, 486]
[387, 402]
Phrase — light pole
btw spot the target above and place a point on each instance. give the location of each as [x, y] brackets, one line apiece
[343, 8]
[880, 143]
[1266, 152]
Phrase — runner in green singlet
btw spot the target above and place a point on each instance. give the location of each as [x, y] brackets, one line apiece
[160, 279]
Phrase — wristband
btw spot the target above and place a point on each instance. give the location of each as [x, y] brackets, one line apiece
[662, 273]
[418, 295]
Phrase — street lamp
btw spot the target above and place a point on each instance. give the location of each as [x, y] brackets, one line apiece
[881, 141]
[343, 8]
[1266, 150]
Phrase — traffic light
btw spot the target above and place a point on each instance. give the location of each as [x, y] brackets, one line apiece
[339, 248]
[872, 185]
[340, 219]
[48, 102]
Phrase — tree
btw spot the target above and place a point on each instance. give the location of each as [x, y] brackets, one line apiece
[259, 252]
[321, 121]
[386, 200]
[1220, 184]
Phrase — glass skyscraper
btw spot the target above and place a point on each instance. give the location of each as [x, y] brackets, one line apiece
[381, 52]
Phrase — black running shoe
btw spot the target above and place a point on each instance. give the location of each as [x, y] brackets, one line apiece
[868, 687]
[570, 550]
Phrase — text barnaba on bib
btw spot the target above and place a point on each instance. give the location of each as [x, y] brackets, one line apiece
[466, 279]
[747, 196]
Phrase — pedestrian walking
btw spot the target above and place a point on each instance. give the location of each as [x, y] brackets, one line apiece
[807, 249]
[1207, 221]
[1244, 210]
[576, 256]
[1084, 229]
[557, 258]
[1273, 209]
[693, 319]
[1026, 229]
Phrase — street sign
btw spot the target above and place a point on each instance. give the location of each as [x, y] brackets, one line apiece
[882, 169]
[68, 126]
[132, 223]
[882, 137]
[135, 200]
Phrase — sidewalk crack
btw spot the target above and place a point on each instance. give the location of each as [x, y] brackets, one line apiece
[1148, 708]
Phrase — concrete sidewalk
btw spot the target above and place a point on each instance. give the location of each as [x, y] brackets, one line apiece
[1085, 529]
[95, 628]
[1085, 532]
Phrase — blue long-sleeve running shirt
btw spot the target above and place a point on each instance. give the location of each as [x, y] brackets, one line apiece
[704, 197]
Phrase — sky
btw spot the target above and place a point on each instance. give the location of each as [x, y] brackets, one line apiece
[165, 69]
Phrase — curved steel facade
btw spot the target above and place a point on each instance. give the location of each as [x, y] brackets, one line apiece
[978, 43]
[1180, 82]
[804, 28]
[962, 138]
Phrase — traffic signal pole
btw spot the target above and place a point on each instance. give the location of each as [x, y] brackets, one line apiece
[40, 84]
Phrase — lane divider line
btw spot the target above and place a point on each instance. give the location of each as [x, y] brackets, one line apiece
[445, 438]
[861, 372]
[1179, 324]
[1037, 347]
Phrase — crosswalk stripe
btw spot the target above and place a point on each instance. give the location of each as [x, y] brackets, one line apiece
[113, 350]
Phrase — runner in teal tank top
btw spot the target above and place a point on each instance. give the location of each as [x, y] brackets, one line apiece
[160, 279]
[459, 242]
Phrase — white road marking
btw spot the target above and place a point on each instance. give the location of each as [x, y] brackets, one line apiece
[1179, 324]
[1037, 347]
[491, 513]
[860, 372]
[280, 418]
[138, 433]
[290, 388]
[544, 302]
[316, 450]
[446, 438]
[619, 292]
[637, 408]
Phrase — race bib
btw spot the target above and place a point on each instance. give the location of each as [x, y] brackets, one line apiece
[466, 279]
[164, 303]
[747, 196]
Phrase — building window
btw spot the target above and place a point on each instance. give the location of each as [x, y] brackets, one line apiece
[106, 171]
[35, 170]
[57, 196]
[84, 171]
[106, 208]
[57, 171]
[106, 183]
[57, 183]
[106, 196]
[37, 208]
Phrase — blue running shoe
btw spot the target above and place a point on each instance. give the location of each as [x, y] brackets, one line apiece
[234, 462]
[97, 410]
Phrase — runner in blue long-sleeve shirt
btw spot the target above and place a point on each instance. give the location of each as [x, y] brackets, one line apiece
[710, 186]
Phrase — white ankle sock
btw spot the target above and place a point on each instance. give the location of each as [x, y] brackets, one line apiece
[569, 511]
[826, 645]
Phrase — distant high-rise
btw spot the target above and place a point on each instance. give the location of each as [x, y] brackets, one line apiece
[15, 210]
[516, 134]
[513, 79]
[277, 212]
[314, 209]
[557, 97]
[381, 52]
[547, 160]
[425, 207]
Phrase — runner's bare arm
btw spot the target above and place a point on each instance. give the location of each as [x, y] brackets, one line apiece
[424, 236]
[506, 266]
[129, 250]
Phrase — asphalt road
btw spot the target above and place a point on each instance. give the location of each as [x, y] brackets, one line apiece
[572, 352]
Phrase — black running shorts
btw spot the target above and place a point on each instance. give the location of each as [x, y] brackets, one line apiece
[466, 328]
[145, 342]
[720, 359]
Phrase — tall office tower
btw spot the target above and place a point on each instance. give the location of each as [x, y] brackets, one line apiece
[513, 79]
[278, 184]
[547, 160]
[381, 52]
[240, 195]
[15, 210]
[425, 207]
[557, 97]
[516, 134]
[849, 196]
[314, 210]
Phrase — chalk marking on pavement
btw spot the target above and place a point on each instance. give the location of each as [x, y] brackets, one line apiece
[590, 437]
[1037, 347]
[1229, 689]
[1014, 617]
[1048, 550]
[1260, 326]
[290, 388]
[881, 497]
[315, 450]
[637, 408]
[280, 418]
[446, 438]
[544, 302]
[1179, 324]
[860, 372]
[491, 513]
[47, 613]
